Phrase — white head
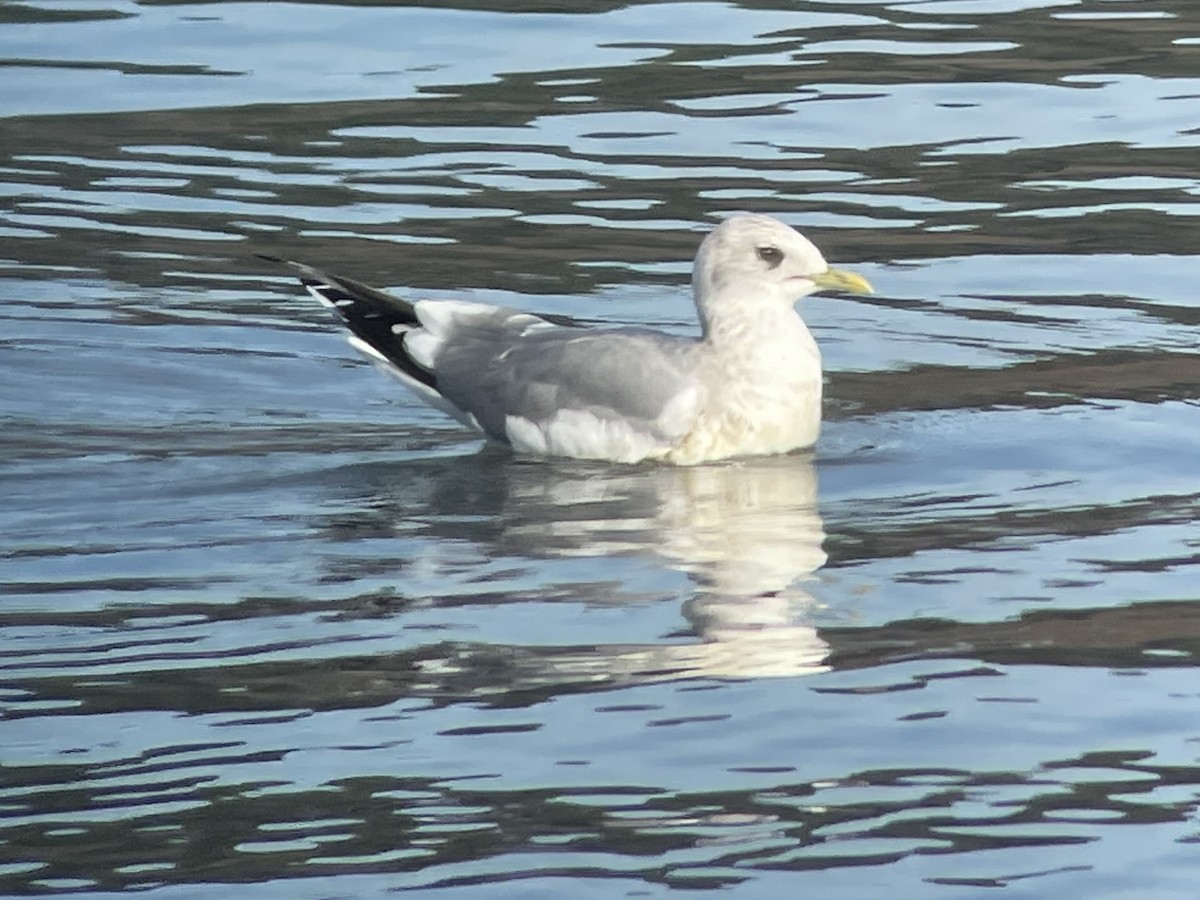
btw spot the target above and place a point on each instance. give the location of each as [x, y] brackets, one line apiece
[758, 258]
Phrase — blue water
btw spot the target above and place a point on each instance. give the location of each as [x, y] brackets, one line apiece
[271, 628]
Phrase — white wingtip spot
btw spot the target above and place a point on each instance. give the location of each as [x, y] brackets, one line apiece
[367, 350]
[423, 346]
[318, 291]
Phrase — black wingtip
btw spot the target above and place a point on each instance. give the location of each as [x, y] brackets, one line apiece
[373, 316]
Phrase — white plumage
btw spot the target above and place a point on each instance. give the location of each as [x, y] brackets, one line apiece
[749, 384]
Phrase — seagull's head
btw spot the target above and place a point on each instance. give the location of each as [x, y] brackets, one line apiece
[755, 255]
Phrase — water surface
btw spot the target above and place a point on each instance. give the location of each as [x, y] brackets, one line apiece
[269, 625]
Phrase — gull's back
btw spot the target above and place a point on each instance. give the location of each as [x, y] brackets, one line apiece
[538, 383]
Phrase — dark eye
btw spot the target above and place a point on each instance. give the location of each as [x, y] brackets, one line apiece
[772, 256]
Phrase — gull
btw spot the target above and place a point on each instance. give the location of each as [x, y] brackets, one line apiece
[749, 385]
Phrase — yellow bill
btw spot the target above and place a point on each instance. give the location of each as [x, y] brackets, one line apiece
[841, 280]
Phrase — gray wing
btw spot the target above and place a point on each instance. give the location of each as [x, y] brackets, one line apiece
[622, 393]
[541, 383]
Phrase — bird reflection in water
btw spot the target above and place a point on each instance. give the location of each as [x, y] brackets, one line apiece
[747, 533]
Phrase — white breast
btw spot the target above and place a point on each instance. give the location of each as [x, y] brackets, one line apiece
[763, 397]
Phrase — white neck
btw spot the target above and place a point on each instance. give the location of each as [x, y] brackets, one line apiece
[754, 326]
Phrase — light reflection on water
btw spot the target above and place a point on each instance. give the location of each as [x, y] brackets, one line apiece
[268, 622]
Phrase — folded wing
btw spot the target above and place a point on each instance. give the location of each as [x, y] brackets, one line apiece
[540, 383]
